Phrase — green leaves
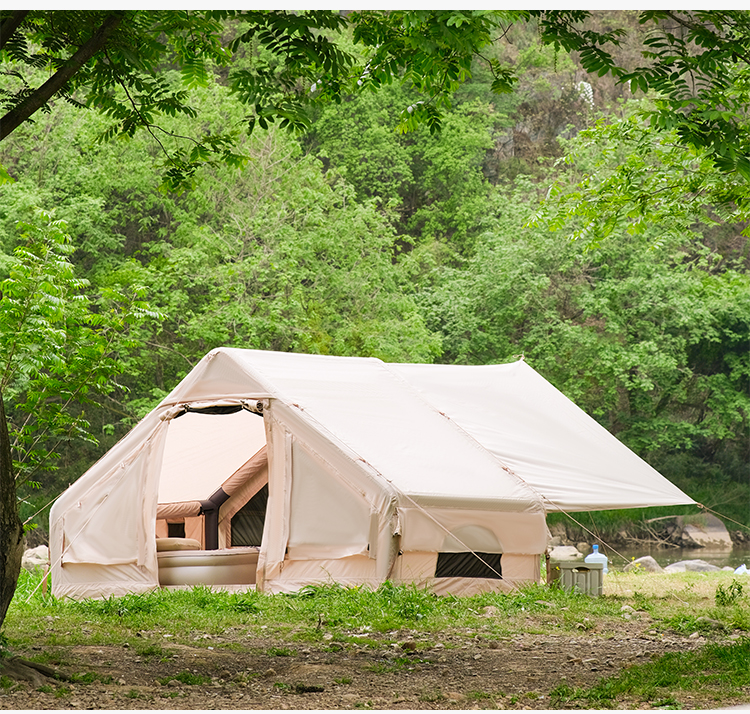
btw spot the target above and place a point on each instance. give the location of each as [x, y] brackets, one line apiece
[58, 346]
[696, 71]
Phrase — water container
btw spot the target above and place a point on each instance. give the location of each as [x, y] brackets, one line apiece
[597, 557]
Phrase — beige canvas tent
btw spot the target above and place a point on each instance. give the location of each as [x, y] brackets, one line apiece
[279, 470]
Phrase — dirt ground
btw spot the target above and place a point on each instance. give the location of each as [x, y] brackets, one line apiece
[460, 671]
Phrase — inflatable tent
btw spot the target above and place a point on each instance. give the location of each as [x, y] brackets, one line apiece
[277, 470]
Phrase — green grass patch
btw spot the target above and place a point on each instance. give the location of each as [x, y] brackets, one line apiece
[307, 615]
[729, 594]
[90, 678]
[150, 651]
[720, 669]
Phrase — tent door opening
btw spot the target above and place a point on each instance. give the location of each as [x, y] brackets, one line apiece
[213, 492]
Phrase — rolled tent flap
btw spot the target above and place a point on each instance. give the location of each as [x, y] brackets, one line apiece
[103, 532]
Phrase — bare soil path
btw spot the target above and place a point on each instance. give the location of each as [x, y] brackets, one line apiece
[459, 671]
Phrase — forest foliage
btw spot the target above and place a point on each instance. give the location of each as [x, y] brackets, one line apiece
[561, 223]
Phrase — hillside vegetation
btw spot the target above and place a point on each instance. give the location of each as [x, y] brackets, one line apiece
[492, 240]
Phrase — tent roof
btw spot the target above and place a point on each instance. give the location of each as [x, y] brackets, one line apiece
[437, 432]
[543, 437]
[361, 405]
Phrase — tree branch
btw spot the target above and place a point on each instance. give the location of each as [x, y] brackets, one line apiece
[11, 25]
[14, 118]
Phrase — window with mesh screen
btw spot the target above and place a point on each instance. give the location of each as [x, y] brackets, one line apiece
[176, 530]
[468, 565]
[247, 523]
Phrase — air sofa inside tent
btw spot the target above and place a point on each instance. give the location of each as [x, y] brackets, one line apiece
[277, 470]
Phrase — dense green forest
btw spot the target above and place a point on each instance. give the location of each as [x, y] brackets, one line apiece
[553, 223]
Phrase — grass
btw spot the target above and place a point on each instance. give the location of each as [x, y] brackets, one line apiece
[720, 669]
[335, 618]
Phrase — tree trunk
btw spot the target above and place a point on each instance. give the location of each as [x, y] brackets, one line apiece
[37, 99]
[11, 528]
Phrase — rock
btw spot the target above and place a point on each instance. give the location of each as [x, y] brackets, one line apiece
[704, 530]
[692, 566]
[558, 530]
[715, 624]
[646, 563]
[583, 548]
[554, 542]
[35, 558]
[565, 552]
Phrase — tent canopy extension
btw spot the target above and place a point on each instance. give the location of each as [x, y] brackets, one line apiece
[343, 469]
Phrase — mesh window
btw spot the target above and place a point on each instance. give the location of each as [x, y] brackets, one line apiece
[467, 565]
[247, 523]
[176, 530]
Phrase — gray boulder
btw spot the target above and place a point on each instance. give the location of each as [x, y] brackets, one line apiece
[704, 531]
[692, 566]
[35, 558]
[565, 552]
[646, 563]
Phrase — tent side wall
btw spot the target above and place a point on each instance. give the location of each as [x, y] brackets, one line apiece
[102, 528]
[331, 519]
[327, 515]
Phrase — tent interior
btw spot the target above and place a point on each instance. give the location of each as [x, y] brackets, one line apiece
[212, 496]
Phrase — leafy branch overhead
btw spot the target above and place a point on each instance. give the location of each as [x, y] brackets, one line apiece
[697, 70]
[118, 62]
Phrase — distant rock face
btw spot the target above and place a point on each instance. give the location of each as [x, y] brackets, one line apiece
[565, 552]
[35, 558]
[704, 532]
[646, 563]
[693, 566]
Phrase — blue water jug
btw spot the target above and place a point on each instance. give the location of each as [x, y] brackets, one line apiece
[597, 557]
